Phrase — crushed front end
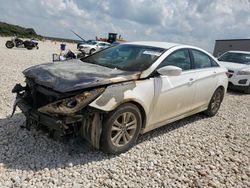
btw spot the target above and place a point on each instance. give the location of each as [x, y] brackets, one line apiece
[62, 114]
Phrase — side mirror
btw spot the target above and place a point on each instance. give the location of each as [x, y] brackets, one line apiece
[169, 71]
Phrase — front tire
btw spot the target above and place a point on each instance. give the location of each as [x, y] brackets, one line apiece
[215, 102]
[121, 129]
[9, 44]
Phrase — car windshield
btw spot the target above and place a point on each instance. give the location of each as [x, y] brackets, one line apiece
[235, 57]
[126, 57]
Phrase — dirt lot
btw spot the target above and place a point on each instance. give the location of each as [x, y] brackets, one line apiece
[196, 151]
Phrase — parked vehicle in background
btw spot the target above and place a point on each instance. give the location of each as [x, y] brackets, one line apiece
[84, 42]
[238, 65]
[110, 97]
[16, 42]
[93, 46]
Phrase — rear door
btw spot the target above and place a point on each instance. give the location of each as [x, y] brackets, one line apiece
[206, 77]
[174, 95]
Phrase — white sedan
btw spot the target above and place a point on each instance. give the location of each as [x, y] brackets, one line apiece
[112, 96]
[93, 46]
[238, 65]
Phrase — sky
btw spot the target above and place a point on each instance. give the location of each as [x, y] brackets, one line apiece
[193, 22]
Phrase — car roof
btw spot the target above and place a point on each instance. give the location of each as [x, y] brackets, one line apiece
[165, 45]
[242, 52]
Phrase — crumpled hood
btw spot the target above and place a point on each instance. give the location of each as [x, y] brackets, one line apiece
[74, 75]
[233, 66]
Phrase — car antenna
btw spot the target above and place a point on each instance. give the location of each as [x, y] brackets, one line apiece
[77, 35]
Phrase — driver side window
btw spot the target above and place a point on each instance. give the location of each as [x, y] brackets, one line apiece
[179, 58]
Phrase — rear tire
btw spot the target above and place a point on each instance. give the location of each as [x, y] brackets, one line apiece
[215, 102]
[121, 129]
[9, 44]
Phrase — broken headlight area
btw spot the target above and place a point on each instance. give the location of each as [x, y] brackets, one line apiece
[73, 104]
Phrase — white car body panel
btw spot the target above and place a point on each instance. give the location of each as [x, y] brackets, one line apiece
[117, 94]
[86, 47]
[165, 99]
[167, 90]
[206, 83]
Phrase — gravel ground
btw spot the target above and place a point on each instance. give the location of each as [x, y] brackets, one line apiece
[194, 152]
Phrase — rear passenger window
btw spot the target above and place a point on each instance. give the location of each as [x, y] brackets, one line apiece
[201, 60]
[179, 58]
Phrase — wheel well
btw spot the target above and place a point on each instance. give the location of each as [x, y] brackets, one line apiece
[223, 89]
[143, 114]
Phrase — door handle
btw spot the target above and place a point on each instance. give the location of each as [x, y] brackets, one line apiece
[214, 73]
[191, 81]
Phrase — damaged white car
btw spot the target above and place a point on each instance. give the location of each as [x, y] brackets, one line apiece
[112, 96]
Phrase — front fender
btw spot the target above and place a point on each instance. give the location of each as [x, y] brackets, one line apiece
[140, 91]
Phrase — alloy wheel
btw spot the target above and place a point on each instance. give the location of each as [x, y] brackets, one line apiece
[216, 101]
[123, 129]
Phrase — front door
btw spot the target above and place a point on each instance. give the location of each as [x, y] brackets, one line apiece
[174, 95]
